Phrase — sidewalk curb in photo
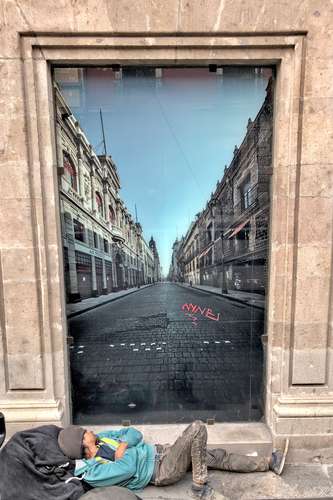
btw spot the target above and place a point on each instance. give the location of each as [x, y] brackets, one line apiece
[112, 299]
[223, 295]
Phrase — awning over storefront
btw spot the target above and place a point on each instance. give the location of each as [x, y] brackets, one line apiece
[205, 252]
[238, 228]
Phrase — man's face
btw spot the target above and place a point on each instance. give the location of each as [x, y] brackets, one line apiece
[89, 442]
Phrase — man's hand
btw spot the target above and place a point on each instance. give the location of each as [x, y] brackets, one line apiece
[120, 451]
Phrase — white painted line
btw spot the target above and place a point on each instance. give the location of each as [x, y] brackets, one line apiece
[79, 352]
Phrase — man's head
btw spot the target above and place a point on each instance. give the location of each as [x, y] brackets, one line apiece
[74, 440]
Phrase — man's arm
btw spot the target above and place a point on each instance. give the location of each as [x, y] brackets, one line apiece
[111, 473]
[129, 435]
[119, 453]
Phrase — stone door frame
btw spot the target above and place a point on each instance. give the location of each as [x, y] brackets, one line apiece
[288, 367]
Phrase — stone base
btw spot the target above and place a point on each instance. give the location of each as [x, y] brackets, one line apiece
[95, 293]
[234, 437]
[22, 414]
[105, 291]
[110, 493]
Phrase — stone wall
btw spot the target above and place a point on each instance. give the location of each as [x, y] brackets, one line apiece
[297, 37]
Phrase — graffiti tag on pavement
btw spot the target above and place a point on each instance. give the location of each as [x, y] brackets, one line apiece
[192, 311]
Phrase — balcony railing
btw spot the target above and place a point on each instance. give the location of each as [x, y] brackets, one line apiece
[243, 247]
[190, 256]
[249, 201]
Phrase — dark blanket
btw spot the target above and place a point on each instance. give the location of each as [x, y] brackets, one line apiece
[32, 467]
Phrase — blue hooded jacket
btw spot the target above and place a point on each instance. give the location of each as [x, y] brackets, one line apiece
[134, 470]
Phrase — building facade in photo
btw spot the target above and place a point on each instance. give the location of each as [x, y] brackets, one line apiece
[104, 248]
[175, 272]
[157, 274]
[227, 245]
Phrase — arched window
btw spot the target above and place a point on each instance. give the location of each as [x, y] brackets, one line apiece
[112, 215]
[70, 172]
[99, 204]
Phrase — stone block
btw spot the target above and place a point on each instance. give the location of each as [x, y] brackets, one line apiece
[15, 223]
[323, 184]
[315, 221]
[110, 493]
[317, 130]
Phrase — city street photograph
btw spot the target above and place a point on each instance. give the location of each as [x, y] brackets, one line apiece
[164, 180]
[166, 256]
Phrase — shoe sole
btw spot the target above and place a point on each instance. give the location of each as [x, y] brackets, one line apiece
[283, 460]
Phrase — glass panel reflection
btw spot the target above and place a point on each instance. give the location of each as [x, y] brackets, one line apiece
[165, 227]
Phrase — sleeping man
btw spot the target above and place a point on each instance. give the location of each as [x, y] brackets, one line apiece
[123, 458]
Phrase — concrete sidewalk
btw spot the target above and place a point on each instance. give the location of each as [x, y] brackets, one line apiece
[253, 299]
[93, 302]
[313, 481]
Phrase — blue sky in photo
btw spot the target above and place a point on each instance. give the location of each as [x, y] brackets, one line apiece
[170, 138]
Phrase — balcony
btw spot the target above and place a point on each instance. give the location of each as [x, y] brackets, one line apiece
[117, 233]
[190, 256]
[237, 248]
[250, 201]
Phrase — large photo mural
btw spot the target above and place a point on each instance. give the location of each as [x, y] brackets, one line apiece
[164, 192]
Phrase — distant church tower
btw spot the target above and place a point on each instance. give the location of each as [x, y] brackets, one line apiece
[157, 267]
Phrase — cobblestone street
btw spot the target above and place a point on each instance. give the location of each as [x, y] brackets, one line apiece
[143, 359]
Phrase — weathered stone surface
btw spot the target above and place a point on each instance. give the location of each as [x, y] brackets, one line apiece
[110, 493]
[301, 230]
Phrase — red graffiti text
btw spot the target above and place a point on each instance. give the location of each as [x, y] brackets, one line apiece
[193, 311]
